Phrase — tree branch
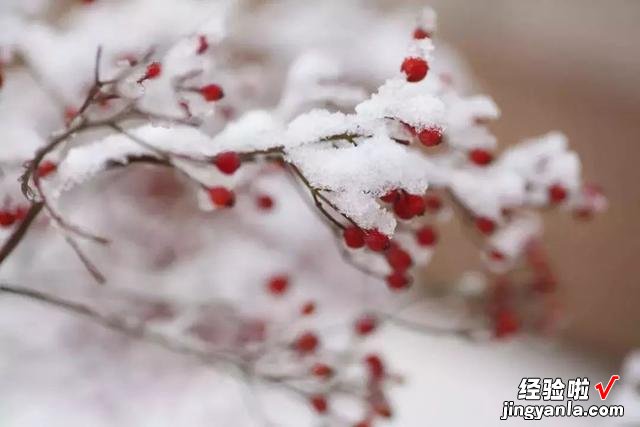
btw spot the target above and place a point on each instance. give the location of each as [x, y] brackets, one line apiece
[20, 232]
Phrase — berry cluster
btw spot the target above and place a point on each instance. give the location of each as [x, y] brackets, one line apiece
[323, 376]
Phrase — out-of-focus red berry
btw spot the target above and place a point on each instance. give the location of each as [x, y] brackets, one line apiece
[278, 285]
[376, 240]
[222, 197]
[426, 236]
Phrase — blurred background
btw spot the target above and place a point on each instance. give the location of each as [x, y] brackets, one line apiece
[573, 66]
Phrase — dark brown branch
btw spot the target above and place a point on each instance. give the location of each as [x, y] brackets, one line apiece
[20, 232]
[316, 197]
[91, 268]
[325, 217]
[96, 69]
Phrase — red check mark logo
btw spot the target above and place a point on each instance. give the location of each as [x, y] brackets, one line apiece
[604, 392]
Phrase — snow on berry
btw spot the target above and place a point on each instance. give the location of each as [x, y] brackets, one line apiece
[409, 104]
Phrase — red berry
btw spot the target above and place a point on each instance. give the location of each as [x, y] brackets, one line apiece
[211, 92]
[203, 45]
[7, 219]
[432, 203]
[46, 168]
[354, 237]
[319, 403]
[322, 371]
[480, 157]
[415, 69]
[391, 196]
[485, 225]
[278, 285]
[397, 280]
[496, 255]
[430, 137]
[366, 324]
[376, 241]
[227, 162]
[306, 343]
[426, 236]
[20, 212]
[264, 202]
[557, 193]
[308, 308]
[416, 204]
[375, 366]
[222, 197]
[153, 70]
[506, 323]
[363, 423]
[70, 113]
[420, 34]
[398, 258]
[408, 205]
[583, 213]
[402, 209]
[383, 409]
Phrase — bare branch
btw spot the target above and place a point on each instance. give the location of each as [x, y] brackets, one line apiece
[20, 232]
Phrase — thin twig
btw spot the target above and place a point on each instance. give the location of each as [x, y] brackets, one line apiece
[18, 234]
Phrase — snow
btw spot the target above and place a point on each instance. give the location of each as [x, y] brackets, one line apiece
[397, 99]
[212, 264]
